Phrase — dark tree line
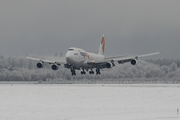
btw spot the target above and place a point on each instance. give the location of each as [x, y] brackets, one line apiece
[21, 69]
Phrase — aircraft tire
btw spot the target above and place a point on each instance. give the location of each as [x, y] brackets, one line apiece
[98, 73]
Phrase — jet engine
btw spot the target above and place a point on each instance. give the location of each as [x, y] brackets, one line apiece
[40, 65]
[109, 65]
[134, 61]
[55, 67]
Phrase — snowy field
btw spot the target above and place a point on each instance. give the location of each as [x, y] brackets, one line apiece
[89, 102]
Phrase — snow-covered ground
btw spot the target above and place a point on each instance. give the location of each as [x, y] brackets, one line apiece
[89, 102]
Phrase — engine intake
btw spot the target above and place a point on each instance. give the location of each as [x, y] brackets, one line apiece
[54, 67]
[108, 65]
[134, 62]
[40, 65]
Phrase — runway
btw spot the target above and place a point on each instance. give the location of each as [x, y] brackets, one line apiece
[87, 102]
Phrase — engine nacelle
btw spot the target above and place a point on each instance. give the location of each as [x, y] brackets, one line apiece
[40, 65]
[109, 65]
[134, 62]
[54, 67]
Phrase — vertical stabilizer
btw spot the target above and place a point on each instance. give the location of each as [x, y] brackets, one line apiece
[101, 47]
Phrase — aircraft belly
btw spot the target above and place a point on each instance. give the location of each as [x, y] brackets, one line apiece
[82, 65]
[77, 63]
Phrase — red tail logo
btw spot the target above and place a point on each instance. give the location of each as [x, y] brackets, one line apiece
[103, 43]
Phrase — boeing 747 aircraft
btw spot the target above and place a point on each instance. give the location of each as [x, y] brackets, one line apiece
[79, 59]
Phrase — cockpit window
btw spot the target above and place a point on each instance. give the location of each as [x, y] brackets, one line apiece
[71, 49]
[83, 54]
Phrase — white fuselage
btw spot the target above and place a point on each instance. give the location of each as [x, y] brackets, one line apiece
[79, 57]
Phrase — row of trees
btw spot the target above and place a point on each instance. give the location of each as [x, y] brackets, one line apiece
[166, 62]
[21, 69]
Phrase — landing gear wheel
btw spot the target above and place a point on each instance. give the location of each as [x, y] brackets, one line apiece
[91, 72]
[73, 72]
[98, 72]
[83, 72]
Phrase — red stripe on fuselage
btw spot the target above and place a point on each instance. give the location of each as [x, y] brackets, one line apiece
[87, 55]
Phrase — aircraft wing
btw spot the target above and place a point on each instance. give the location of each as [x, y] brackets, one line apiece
[119, 59]
[50, 60]
[129, 58]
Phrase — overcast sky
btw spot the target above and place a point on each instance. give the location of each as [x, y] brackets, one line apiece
[134, 27]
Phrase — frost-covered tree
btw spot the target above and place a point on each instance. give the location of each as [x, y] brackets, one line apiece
[21, 69]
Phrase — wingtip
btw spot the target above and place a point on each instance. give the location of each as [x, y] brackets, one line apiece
[162, 51]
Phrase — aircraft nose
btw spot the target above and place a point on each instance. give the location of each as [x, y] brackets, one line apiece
[69, 56]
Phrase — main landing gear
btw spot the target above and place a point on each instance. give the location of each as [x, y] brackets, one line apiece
[91, 72]
[83, 72]
[73, 72]
[98, 72]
